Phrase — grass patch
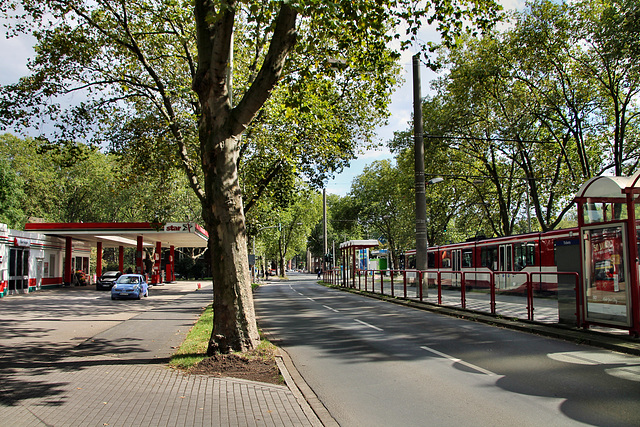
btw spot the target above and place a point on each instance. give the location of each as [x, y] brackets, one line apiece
[194, 347]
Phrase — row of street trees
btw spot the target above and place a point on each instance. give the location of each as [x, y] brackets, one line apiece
[77, 183]
[280, 233]
[242, 95]
[519, 120]
[246, 98]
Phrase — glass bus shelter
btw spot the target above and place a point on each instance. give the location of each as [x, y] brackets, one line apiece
[608, 217]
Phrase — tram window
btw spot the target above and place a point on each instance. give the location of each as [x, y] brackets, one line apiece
[524, 256]
[467, 259]
[446, 259]
[489, 257]
[509, 261]
[431, 260]
[411, 261]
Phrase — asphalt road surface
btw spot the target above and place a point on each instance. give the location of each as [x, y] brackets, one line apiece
[58, 322]
[373, 363]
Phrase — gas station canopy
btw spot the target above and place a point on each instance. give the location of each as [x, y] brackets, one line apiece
[177, 234]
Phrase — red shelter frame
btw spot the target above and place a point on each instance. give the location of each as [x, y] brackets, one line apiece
[348, 251]
[611, 203]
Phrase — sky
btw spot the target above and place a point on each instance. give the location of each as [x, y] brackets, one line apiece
[17, 51]
[401, 109]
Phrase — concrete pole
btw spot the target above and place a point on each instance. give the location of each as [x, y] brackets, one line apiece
[324, 226]
[421, 201]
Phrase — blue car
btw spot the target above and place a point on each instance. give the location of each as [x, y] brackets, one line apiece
[130, 286]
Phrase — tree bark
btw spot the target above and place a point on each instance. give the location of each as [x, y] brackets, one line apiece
[220, 128]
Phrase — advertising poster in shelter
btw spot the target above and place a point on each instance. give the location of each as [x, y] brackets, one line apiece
[606, 285]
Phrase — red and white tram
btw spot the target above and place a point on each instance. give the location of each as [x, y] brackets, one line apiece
[513, 260]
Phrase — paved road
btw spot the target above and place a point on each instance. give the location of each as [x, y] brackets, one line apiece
[73, 357]
[378, 364]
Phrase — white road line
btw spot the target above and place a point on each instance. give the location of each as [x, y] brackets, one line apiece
[367, 324]
[295, 290]
[462, 362]
[311, 299]
[330, 308]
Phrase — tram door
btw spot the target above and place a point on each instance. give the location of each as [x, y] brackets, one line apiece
[18, 270]
[505, 263]
[455, 267]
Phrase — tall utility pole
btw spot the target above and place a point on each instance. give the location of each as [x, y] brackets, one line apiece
[421, 201]
[324, 229]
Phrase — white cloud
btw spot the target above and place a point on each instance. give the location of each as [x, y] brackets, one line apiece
[16, 52]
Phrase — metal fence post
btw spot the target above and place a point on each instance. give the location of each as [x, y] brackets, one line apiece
[529, 297]
[463, 290]
[492, 283]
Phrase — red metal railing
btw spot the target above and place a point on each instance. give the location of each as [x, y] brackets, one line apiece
[384, 282]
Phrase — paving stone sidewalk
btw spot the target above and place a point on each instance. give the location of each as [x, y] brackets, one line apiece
[120, 377]
[99, 393]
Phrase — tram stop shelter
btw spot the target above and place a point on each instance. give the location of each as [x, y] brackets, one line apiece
[357, 252]
[608, 217]
[121, 235]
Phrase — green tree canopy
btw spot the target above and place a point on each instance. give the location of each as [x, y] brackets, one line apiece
[79, 183]
[290, 227]
[535, 110]
[166, 65]
[11, 197]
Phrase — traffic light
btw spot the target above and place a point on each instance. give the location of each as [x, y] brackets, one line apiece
[330, 258]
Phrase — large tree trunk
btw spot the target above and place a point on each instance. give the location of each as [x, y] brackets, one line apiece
[219, 129]
[234, 325]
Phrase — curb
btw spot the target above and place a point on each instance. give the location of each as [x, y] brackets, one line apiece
[312, 406]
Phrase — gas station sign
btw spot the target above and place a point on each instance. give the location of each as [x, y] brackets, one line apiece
[178, 227]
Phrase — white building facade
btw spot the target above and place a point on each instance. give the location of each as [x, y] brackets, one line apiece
[33, 261]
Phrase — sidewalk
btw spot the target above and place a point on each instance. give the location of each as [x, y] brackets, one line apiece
[119, 377]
